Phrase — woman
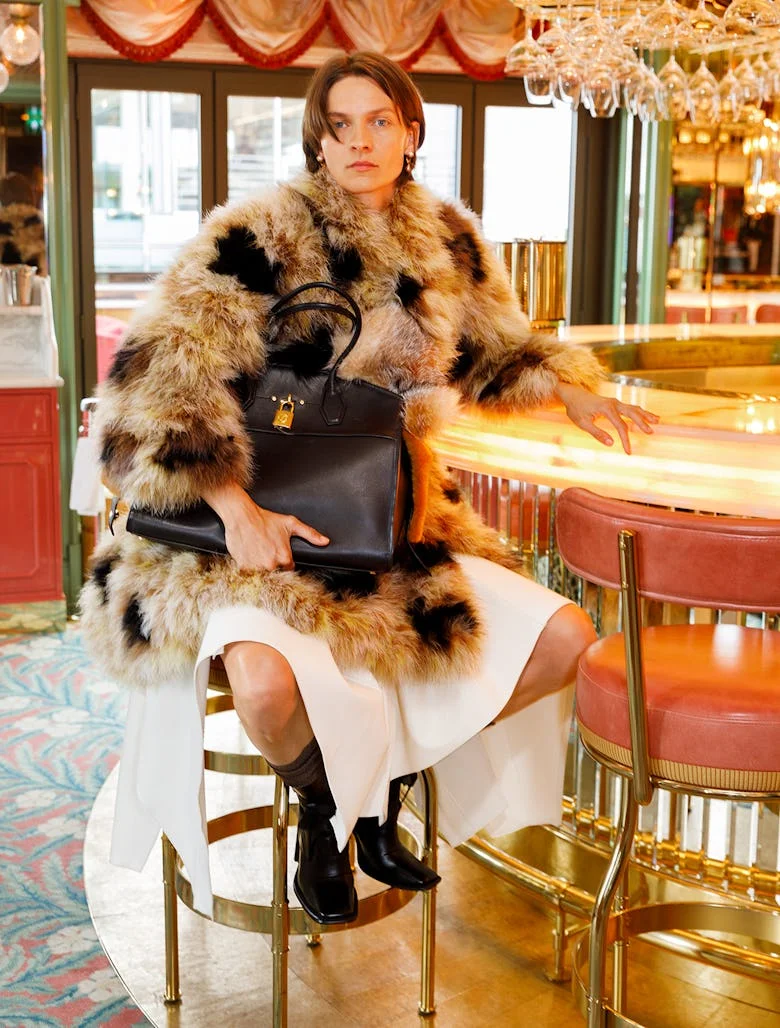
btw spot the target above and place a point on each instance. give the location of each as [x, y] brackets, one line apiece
[346, 684]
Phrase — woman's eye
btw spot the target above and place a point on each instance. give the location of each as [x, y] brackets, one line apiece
[382, 122]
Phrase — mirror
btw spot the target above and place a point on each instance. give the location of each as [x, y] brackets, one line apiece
[22, 232]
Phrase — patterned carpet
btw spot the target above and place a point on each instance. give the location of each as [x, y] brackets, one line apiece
[60, 734]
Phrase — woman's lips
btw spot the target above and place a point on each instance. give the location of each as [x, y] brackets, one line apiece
[362, 166]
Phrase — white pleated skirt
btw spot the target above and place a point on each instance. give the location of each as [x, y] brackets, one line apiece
[498, 777]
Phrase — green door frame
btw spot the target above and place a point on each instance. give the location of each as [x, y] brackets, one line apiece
[59, 231]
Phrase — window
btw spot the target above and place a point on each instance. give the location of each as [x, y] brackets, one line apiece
[527, 170]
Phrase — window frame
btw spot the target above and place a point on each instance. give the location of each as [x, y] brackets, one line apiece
[99, 74]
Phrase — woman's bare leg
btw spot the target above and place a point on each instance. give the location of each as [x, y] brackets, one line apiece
[269, 704]
[553, 662]
[267, 700]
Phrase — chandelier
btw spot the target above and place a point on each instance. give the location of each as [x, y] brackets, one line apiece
[605, 55]
[20, 43]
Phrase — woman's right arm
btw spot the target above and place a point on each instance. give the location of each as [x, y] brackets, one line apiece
[257, 539]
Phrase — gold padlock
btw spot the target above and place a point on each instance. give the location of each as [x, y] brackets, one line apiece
[283, 418]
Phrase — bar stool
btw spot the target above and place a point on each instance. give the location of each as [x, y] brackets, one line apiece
[694, 708]
[277, 920]
[768, 312]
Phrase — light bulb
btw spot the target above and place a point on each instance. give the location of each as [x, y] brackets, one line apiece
[20, 43]
[4, 77]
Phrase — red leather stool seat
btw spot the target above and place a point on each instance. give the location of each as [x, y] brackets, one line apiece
[713, 705]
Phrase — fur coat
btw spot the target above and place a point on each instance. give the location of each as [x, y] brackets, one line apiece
[21, 236]
[440, 325]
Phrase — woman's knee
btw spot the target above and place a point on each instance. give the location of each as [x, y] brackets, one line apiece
[265, 693]
[570, 632]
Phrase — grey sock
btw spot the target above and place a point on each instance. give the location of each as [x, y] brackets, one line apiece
[305, 769]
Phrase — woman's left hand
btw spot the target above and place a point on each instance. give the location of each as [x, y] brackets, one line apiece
[584, 407]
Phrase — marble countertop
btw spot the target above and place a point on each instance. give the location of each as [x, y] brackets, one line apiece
[708, 453]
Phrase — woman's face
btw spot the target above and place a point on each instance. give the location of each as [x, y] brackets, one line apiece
[367, 155]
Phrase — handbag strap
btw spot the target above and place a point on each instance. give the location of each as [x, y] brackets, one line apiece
[332, 404]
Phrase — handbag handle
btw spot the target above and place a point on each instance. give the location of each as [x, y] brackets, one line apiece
[332, 405]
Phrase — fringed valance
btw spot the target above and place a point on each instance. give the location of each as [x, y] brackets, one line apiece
[275, 33]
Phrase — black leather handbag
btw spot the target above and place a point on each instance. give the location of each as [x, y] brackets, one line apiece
[326, 449]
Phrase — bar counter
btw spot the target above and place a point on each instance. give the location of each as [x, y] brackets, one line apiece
[716, 449]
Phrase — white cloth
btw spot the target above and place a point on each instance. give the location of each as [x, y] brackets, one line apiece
[501, 778]
[87, 495]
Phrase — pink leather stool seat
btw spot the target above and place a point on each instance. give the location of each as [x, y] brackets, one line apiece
[713, 705]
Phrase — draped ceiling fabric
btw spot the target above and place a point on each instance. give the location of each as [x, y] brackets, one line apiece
[474, 34]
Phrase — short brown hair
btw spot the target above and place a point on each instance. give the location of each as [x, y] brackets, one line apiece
[391, 79]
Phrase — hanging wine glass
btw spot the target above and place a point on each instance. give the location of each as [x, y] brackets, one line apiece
[635, 33]
[663, 22]
[526, 53]
[675, 86]
[730, 94]
[555, 38]
[745, 17]
[703, 98]
[748, 80]
[764, 75]
[600, 90]
[702, 23]
[651, 100]
[773, 85]
[633, 84]
[539, 80]
[570, 73]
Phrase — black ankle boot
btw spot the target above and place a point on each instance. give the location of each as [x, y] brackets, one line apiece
[380, 853]
[323, 882]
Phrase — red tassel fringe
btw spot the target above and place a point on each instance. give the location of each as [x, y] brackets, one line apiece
[145, 54]
[160, 51]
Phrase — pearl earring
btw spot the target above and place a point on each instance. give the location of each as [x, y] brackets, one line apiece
[321, 158]
[408, 161]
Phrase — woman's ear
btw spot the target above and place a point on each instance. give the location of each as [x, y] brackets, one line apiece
[413, 135]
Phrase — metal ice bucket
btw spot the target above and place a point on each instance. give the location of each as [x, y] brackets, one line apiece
[18, 284]
[538, 272]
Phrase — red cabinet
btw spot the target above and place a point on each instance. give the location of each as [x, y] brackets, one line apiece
[30, 533]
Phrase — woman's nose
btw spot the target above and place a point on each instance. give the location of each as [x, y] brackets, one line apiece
[360, 139]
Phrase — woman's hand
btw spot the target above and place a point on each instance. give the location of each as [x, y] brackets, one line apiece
[258, 539]
[583, 407]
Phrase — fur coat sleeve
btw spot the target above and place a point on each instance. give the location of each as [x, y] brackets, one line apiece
[500, 363]
[169, 421]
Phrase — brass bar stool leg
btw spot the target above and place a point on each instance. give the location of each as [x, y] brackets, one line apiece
[600, 919]
[430, 840]
[172, 990]
[619, 949]
[558, 971]
[280, 923]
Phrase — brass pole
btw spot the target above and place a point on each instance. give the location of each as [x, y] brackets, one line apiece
[172, 990]
[430, 838]
[711, 218]
[280, 916]
[619, 954]
[600, 919]
[643, 789]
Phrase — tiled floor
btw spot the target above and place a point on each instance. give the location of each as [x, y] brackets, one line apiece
[47, 616]
[492, 950]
